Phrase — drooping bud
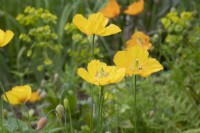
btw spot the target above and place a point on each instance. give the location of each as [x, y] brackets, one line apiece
[66, 103]
[56, 77]
[60, 110]
[41, 123]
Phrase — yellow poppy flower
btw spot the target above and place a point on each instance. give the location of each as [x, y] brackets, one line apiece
[95, 24]
[5, 37]
[18, 94]
[111, 10]
[135, 8]
[139, 38]
[100, 74]
[136, 61]
[35, 96]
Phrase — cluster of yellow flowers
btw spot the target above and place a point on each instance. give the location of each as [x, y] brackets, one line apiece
[134, 60]
[112, 9]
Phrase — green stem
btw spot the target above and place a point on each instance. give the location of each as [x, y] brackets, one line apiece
[70, 119]
[11, 108]
[29, 119]
[135, 106]
[91, 115]
[60, 120]
[65, 121]
[101, 101]
[93, 46]
[1, 116]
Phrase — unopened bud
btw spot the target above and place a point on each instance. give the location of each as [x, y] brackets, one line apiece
[151, 113]
[5, 113]
[66, 103]
[56, 77]
[60, 110]
[41, 123]
[43, 83]
[43, 94]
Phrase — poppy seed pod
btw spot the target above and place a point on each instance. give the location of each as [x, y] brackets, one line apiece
[60, 110]
[41, 123]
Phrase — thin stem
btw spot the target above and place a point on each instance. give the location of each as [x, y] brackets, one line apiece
[91, 91]
[93, 46]
[20, 129]
[29, 119]
[65, 120]
[1, 116]
[135, 106]
[101, 101]
[70, 119]
[60, 120]
[50, 112]
[91, 115]
[62, 94]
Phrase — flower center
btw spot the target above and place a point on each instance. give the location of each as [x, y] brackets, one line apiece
[101, 73]
[136, 65]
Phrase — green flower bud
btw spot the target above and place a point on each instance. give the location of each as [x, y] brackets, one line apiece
[66, 103]
[60, 110]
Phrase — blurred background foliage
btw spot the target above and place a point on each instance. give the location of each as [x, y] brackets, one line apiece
[47, 50]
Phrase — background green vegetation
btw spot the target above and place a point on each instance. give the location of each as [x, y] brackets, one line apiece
[47, 50]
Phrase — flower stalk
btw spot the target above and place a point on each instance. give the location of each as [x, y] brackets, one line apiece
[29, 119]
[101, 102]
[135, 105]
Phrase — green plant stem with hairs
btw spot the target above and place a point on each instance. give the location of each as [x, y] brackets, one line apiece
[91, 91]
[1, 115]
[11, 108]
[101, 102]
[70, 119]
[135, 103]
[29, 119]
[60, 120]
[93, 37]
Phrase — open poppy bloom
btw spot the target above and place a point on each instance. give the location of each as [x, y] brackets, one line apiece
[111, 10]
[35, 96]
[136, 61]
[135, 8]
[100, 74]
[18, 95]
[5, 37]
[95, 24]
[139, 38]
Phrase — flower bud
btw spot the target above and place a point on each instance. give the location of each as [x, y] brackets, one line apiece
[60, 110]
[56, 77]
[66, 103]
[41, 123]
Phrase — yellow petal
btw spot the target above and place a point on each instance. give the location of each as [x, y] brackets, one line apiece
[135, 8]
[35, 96]
[119, 75]
[151, 66]
[86, 76]
[111, 29]
[81, 23]
[7, 37]
[12, 98]
[2, 36]
[111, 10]
[22, 92]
